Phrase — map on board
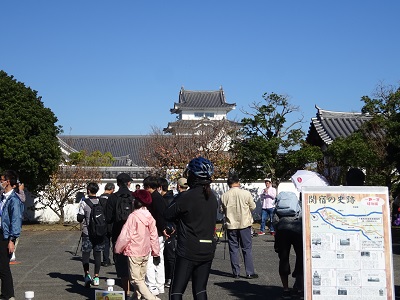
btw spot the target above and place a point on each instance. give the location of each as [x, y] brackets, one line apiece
[347, 237]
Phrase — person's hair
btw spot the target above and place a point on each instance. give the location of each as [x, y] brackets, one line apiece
[138, 185]
[92, 187]
[12, 176]
[163, 183]
[109, 186]
[137, 204]
[151, 182]
[232, 179]
[355, 177]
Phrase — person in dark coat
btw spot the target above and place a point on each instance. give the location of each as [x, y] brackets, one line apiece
[155, 275]
[108, 190]
[120, 260]
[195, 213]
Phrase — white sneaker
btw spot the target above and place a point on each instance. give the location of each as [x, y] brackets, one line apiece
[96, 281]
[154, 291]
[161, 290]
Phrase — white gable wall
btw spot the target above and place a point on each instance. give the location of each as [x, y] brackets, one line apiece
[190, 115]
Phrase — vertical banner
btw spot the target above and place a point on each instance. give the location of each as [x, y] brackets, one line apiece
[348, 246]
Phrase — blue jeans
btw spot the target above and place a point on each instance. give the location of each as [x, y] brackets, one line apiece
[267, 213]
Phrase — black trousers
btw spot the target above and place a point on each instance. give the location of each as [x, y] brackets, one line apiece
[169, 256]
[284, 239]
[106, 252]
[184, 269]
[7, 285]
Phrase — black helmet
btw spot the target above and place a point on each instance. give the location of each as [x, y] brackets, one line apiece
[201, 167]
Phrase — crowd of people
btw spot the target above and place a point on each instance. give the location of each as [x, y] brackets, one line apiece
[159, 240]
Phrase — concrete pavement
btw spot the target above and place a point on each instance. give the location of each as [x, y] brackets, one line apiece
[49, 267]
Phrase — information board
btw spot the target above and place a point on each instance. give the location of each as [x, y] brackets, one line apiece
[346, 231]
[109, 295]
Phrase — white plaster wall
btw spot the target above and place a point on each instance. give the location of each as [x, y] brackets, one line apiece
[189, 115]
[219, 187]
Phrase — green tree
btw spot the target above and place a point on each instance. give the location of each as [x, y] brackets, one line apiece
[28, 134]
[94, 159]
[375, 146]
[270, 145]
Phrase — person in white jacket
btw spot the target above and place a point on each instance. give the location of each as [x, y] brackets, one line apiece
[268, 206]
[137, 239]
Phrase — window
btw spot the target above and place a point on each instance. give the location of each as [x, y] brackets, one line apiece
[203, 115]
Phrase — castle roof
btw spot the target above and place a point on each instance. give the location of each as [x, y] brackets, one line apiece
[329, 125]
[192, 100]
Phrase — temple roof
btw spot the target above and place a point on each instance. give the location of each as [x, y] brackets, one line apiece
[126, 149]
[190, 100]
[329, 125]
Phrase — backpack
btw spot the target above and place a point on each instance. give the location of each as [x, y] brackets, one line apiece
[287, 205]
[124, 207]
[97, 225]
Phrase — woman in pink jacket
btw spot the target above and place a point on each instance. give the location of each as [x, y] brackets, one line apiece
[137, 238]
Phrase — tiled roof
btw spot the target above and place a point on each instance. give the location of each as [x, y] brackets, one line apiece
[202, 100]
[190, 125]
[126, 149]
[329, 125]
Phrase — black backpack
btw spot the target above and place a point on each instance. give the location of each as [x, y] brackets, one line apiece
[124, 207]
[97, 225]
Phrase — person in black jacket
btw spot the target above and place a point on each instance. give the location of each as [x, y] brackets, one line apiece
[108, 190]
[120, 260]
[169, 245]
[155, 274]
[195, 212]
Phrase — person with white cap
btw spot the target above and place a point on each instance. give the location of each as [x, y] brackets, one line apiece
[268, 206]
[182, 185]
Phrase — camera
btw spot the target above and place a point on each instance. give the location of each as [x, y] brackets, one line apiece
[169, 229]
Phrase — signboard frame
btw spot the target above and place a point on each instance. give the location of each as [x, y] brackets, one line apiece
[109, 295]
[347, 237]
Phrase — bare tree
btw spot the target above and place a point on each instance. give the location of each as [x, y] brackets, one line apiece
[63, 186]
[210, 139]
[71, 178]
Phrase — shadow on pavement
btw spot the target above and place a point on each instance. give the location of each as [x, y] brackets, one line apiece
[245, 290]
[220, 273]
[74, 284]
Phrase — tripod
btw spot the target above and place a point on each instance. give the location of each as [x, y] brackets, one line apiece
[76, 251]
[80, 239]
[222, 232]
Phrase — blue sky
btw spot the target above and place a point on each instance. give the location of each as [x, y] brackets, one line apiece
[116, 67]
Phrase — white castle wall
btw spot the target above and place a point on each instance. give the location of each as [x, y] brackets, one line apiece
[219, 187]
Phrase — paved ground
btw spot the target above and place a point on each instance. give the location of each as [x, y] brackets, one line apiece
[48, 266]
